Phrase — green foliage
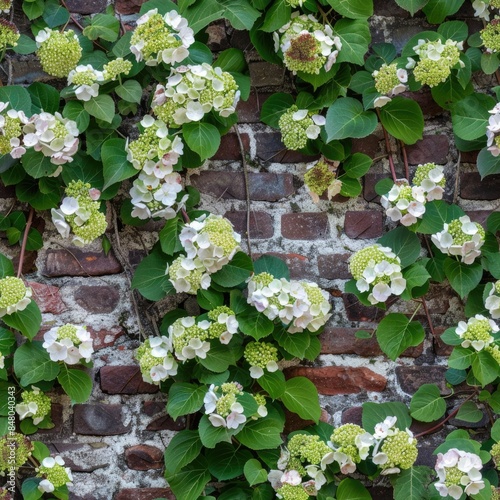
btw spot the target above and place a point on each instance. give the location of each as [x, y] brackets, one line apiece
[395, 333]
[427, 404]
[403, 119]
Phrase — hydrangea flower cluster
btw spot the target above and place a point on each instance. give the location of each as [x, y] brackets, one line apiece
[458, 473]
[389, 81]
[35, 404]
[55, 136]
[11, 131]
[79, 212]
[23, 449]
[461, 238]
[58, 52]
[156, 360]
[492, 302]
[351, 444]
[493, 131]
[307, 45]
[53, 474]
[436, 59]
[321, 177]
[14, 295]
[68, 343]
[2, 361]
[115, 68]
[224, 324]
[160, 38]
[261, 356]
[9, 34]
[5, 6]
[490, 36]
[189, 339]
[84, 78]
[193, 91]
[188, 275]
[299, 125]
[298, 304]
[377, 270]
[477, 332]
[481, 8]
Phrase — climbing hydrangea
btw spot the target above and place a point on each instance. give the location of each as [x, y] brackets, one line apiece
[193, 91]
[11, 131]
[188, 275]
[84, 79]
[160, 38]
[481, 8]
[492, 302]
[35, 404]
[490, 36]
[321, 177]
[461, 238]
[68, 343]
[430, 178]
[79, 213]
[22, 447]
[377, 270]
[306, 44]
[224, 324]
[5, 6]
[14, 295]
[156, 360]
[351, 444]
[458, 473]
[299, 125]
[9, 34]
[222, 405]
[260, 356]
[493, 131]
[189, 339]
[389, 81]
[115, 68]
[58, 52]
[53, 474]
[477, 332]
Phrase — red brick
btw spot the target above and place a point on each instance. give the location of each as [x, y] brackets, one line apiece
[438, 298]
[332, 380]
[90, 6]
[79, 263]
[217, 36]
[126, 6]
[105, 337]
[229, 148]
[364, 224]
[144, 494]
[468, 156]
[370, 180]
[144, 457]
[264, 74]
[98, 420]
[410, 378]
[305, 226]
[368, 145]
[440, 348]
[356, 311]
[249, 110]
[166, 423]
[294, 423]
[334, 266]
[432, 148]
[472, 188]
[124, 380]
[47, 297]
[261, 223]
[298, 265]
[262, 186]
[97, 299]
[353, 415]
[424, 99]
[270, 148]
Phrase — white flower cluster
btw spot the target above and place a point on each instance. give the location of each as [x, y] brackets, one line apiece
[477, 332]
[156, 359]
[492, 302]
[389, 81]
[11, 130]
[193, 91]
[377, 270]
[298, 304]
[160, 38]
[84, 78]
[458, 473]
[306, 44]
[68, 343]
[14, 295]
[53, 474]
[481, 8]
[299, 125]
[461, 238]
[493, 131]
[405, 203]
[35, 405]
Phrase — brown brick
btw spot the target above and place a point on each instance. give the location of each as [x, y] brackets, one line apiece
[472, 188]
[305, 226]
[271, 148]
[469, 156]
[98, 420]
[217, 36]
[229, 148]
[432, 148]
[47, 297]
[144, 494]
[364, 224]
[294, 423]
[97, 299]
[370, 180]
[440, 348]
[124, 380]
[334, 266]
[79, 263]
[356, 311]
[264, 74]
[382, 8]
[353, 415]
[144, 457]
[410, 378]
[249, 110]
[262, 186]
[261, 223]
[105, 337]
[166, 423]
[332, 380]
[424, 99]
[479, 215]
[7, 191]
[368, 145]
[126, 6]
[56, 413]
[298, 265]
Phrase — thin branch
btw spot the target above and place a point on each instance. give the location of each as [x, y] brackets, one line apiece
[25, 240]
[405, 160]
[388, 149]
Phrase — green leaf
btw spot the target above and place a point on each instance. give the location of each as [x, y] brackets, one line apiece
[74, 111]
[34, 240]
[210, 436]
[412, 6]
[357, 165]
[184, 398]
[489, 63]
[416, 276]
[404, 243]
[436, 214]
[395, 333]
[202, 138]
[163, 6]
[301, 397]
[209, 299]
[130, 91]
[241, 15]
[32, 364]
[169, 236]
[44, 98]
[272, 265]
[294, 343]
[183, 448]
[495, 431]
[463, 278]
[37, 165]
[6, 267]
[450, 91]
[232, 60]
[104, 26]
[76, 384]
[273, 383]
[254, 323]
[116, 167]
[383, 186]
[469, 412]
[190, 481]
[30, 489]
[227, 462]
[346, 118]
[454, 30]
[238, 269]
[27, 321]
[437, 10]
[403, 119]
[355, 37]
[254, 473]
[149, 277]
[351, 188]
[54, 14]
[220, 357]
[277, 16]
[427, 404]
[33, 9]
[470, 116]
[352, 489]
[373, 413]
[274, 107]
[7, 340]
[485, 368]
[461, 358]
[25, 45]
[487, 164]
[261, 434]
[411, 484]
[355, 9]
[101, 107]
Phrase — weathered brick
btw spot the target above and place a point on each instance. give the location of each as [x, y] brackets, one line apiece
[90, 6]
[144, 457]
[332, 380]
[294, 423]
[432, 148]
[383, 8]
[334, 266]
[479, 216]
[424, 99]
[70, 449]
[249, 110]
[126, 6]
[472, 188]
[166, 423]
[469, 156]
[105, 337]
[305, 226]
[229, 148]
[370, 180]
[356, 311]
[364, 224]
[440, 348]
[261, 223]
[98, 420]
[353, 415]
[217, 36]
[262, 186]
[28, 70]
[97, 299]
[144, 494]
[410, 378]
[79, 263]
[7, 191]
[47, 297]
[56, 413]
[124, 380]
[264, 74]
[270, 148]
[299, 265]
[369, 145]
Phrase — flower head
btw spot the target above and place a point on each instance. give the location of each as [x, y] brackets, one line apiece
[188, 275]
[15, 449]
[11, 131]
[35, 404]
[53, 474]
[68, 343]
[261, 356]
[58, 52]
[156, 360]
[224, 324]
[389, 81]
[189, 339]
[14, 295]
[351, 444]
[321, 177]
[116, 67]
[84, 79]
[477, 332]
[9, 34]
[299, 125]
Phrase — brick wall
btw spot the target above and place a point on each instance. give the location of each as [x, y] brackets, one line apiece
[114, 443]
